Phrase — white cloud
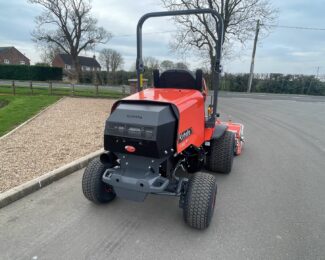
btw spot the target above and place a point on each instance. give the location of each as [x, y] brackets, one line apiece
[284, 50]
[305, 53]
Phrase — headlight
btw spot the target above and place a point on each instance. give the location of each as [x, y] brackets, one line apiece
[131, 131]
[134, 132]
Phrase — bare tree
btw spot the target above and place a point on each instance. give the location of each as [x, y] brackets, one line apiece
[111, 59]
[49, 52]
[117, 61]
[105, 58]
[151, 62]
[167, 65]
[68, 24]
[181, 65]
[198, 32]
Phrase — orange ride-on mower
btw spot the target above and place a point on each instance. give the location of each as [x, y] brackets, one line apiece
[153, 135]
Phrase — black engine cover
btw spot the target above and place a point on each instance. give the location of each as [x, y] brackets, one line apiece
[150, 128]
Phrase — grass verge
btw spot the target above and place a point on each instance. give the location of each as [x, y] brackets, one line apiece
[18, 109]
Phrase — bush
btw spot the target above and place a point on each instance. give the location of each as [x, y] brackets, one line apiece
[265, 83]
[24, 72]
[274, 83]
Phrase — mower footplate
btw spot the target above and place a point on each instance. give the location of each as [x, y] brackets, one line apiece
[135, 182]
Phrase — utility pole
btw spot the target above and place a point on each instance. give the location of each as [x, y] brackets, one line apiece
[316, 77]
[253, 57]
[317, 72]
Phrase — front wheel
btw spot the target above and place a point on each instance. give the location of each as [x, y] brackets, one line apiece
[199, 201]
[221, 153]
[93, 188]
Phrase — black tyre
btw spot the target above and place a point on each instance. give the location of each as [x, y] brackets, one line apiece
[199, 200]
[93, 187]
[221, 153]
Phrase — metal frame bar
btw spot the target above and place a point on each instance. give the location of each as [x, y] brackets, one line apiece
[217, 64]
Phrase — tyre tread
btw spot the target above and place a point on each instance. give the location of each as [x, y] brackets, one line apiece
[221, 154]
[197, 210]
[91, 182]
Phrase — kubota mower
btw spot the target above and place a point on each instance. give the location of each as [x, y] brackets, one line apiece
[156, 134]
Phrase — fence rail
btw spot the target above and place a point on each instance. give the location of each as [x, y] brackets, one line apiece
[58, 88]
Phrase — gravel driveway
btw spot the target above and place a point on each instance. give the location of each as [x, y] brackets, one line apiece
[70, 129]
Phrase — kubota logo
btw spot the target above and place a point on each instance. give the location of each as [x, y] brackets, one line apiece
[184, 135]
[134, 116]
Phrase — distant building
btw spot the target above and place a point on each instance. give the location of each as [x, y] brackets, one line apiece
[86, 63]
[10, 55]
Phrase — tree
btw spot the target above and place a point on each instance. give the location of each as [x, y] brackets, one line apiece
[111, 59]
[49, 52]
[151, 63]
[198, 32]
[167, 65]
[181, 65]
[68, 24]
[116, 61]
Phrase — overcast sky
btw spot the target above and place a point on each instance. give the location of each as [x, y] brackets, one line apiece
[284, 50]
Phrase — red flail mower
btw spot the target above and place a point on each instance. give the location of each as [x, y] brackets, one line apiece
[158, 140]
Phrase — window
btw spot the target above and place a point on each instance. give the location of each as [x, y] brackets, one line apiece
[22, 62]
[68, 67]
[6, 61]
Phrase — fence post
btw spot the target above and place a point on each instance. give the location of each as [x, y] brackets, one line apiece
[96, 89]
[13, 88]
[50, 87]
[72, 89]
[31, 87]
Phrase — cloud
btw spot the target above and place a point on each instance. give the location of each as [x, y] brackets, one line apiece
[305, 53]
[284, 50]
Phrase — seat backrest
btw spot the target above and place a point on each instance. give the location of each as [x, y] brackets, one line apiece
[182, 79]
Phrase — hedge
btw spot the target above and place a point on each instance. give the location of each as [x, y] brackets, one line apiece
[262, 83]
[25, 72]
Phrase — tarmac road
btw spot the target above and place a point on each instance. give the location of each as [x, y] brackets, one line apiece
[271, 206]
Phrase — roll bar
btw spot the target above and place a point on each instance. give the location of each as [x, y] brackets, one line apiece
[217, 63]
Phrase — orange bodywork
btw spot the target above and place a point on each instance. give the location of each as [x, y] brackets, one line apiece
[190, 106]
[237, 129]
[191, 110]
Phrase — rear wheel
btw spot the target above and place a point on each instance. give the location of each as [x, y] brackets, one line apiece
[199, 200]
[221, 153]
[93, 187]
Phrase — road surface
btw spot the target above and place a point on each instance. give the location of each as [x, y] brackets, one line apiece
[271, 206]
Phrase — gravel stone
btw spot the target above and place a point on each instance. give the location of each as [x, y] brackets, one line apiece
[70, 129]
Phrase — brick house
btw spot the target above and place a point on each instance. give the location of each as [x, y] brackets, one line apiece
[86, 63]
[10, 55]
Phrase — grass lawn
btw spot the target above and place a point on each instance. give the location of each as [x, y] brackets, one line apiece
[14, 110]
[78, 91]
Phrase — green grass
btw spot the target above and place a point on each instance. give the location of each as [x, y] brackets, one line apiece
[18, 109]
[82, 92]
[3, 103]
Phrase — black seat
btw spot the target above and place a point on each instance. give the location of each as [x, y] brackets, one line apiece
[181, 79]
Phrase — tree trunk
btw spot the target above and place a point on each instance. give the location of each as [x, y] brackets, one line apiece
[76, 67]
[107, 70]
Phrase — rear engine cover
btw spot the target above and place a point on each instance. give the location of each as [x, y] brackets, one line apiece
[149, 128]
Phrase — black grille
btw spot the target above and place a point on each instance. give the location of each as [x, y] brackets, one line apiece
[131, 131]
